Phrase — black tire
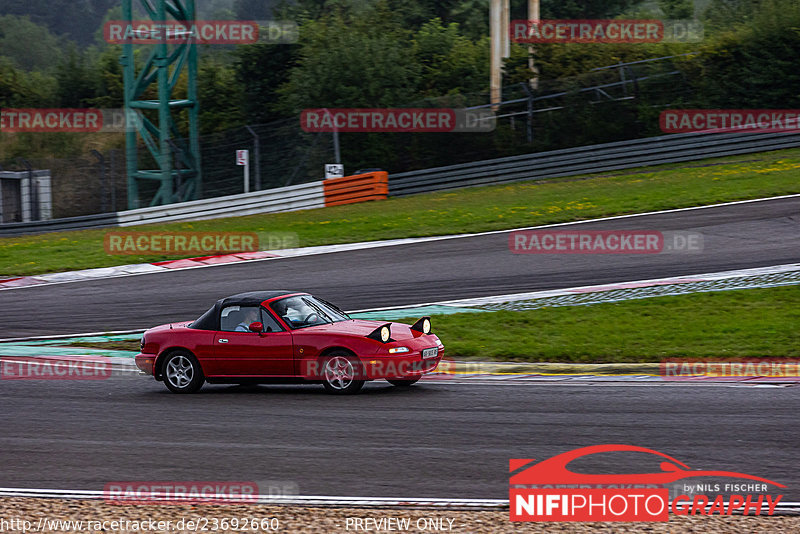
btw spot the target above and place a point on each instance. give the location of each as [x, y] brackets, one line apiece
[403, 383]
[182, 372]
[340, 373]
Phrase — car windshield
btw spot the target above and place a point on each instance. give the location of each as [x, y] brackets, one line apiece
[304, 310]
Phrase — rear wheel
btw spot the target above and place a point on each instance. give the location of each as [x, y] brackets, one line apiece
[403, 383]
[182, 372]
[340, 373]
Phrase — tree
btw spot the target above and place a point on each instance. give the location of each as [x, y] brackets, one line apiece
[76, 20]
[347, 61]
[724, 14]
[473, 17]
[450, 62]
[77, 81]
[752, 66]
[260, 69]
[20, 89]
[219, 96]
[215, 10]
[109, 88]
[677, 9]
[583, 9]
[252, 9]
[416, 13]
[29, 45]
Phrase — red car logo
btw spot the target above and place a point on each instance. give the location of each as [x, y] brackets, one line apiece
[554, 470]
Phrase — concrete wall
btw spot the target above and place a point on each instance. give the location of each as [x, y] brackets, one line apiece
[42, 189]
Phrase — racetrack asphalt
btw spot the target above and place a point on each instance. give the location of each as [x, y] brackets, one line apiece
[436, 440]
[745, 235]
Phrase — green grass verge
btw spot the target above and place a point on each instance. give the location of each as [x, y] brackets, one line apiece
[754, 323]
[465, 210]
[132, 344]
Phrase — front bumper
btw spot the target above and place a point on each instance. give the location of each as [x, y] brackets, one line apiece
[407, 365]
[145, 363]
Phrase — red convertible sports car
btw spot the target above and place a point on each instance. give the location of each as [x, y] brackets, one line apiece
[286, 337]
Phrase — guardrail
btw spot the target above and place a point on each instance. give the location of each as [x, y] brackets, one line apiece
[290, 198]
[59, 225]
[372, 186]
[590, 159]
[346, 190]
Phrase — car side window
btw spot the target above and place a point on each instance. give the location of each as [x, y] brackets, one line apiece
[269, 322]
[238, 318]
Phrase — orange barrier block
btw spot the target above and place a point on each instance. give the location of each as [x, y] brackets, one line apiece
[356, 188]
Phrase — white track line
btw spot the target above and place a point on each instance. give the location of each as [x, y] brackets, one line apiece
[297, 500]
[309, 500]
[68, 336]
[346, 247]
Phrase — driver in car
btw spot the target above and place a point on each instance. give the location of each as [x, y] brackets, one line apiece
[250, 316]
[296, 312]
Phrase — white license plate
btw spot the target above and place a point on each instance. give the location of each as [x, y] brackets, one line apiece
[430, 353]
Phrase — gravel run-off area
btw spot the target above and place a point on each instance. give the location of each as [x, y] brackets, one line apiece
[42, 515]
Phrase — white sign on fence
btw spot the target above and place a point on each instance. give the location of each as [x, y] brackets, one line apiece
[243, 158]
[334, 170]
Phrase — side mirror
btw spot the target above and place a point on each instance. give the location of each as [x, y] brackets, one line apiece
[256, 327]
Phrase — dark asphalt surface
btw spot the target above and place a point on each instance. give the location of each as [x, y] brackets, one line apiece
[433, 440]
[740, 236]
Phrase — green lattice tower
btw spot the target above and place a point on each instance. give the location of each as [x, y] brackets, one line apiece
[154, 121]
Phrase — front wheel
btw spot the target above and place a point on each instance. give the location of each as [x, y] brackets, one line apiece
[339, 374]
[182, 373]
[403, 383]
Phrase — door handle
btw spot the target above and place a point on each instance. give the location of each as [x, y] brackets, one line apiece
[223, 340]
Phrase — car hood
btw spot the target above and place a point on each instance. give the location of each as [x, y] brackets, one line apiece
[362, 328]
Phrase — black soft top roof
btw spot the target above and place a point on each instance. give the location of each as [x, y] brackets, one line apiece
[210, 319]
[253, 298]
